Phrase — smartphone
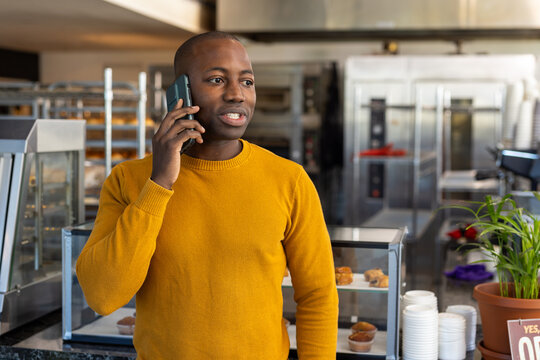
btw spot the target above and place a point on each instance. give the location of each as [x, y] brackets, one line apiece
[180, 89]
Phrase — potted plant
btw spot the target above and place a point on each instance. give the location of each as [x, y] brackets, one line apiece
[510, 236]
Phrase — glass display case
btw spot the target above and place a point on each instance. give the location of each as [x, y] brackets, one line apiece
[41, 189]
[79, 321]
[362, 249]
[358, 248]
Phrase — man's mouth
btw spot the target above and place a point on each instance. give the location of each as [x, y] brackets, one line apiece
[233, 118]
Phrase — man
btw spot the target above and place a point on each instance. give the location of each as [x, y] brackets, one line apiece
[203, 238]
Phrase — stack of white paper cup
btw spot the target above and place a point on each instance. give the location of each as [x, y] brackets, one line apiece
[451, 337]
[419, 297]
[420, 332]
[469, 313]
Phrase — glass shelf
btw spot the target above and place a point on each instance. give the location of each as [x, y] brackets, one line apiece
[358, 284]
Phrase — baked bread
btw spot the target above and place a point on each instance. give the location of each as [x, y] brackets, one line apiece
[361, 337]
[380, 282]
[126, 326]
[372, 274]
[363, 326]
[344, 275]
[360, 342]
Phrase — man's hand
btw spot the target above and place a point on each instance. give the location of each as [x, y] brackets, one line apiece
[167, 143]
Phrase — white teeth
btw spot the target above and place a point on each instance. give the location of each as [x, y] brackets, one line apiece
[233, 115]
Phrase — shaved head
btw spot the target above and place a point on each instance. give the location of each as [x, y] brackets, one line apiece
[185, 52]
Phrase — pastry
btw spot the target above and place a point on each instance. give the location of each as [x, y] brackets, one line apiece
[361, 337]
[380, 282]
[363, 326]
[117, 156]
[126, 326]
[94, 121]
[372, 274]
[343, 270]
[359, 342]
[344, 275]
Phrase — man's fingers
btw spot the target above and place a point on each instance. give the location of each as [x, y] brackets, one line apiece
[181, 126]
[177, 113]
[175, 142]
[179, 104]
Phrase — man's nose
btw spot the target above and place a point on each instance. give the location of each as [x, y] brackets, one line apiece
[233, 92]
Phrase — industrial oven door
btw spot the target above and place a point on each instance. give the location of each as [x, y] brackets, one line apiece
[378, 114]
[472, 121]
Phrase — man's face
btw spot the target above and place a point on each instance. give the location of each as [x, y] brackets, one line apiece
[222, 85]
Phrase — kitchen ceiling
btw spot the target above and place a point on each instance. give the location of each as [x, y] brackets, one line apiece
[278, 20]
[50, 25]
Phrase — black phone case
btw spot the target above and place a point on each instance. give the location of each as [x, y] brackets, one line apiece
[180, 89]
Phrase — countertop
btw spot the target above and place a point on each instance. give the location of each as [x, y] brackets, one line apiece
[42, 339]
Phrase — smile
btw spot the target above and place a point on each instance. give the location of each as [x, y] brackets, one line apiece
[233, 118]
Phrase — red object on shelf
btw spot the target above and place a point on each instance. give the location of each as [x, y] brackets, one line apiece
[461, 232]
[386, 150]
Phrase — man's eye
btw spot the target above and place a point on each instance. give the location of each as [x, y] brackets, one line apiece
[216, 80]
[248, 82]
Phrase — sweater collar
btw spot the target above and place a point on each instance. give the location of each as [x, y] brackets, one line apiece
[212, 165]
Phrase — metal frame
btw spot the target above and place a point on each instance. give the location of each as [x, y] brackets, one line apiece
[11, 224]
[350, 237]
[5, 182]
[66, 283]
[421, 166]
[20, 93]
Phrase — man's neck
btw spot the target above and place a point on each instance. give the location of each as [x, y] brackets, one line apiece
[216, 150]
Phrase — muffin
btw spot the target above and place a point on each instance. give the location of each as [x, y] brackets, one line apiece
[359, 342]
[365, 328]
[126, 326]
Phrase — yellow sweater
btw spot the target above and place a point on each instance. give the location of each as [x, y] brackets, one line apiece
[206, 260]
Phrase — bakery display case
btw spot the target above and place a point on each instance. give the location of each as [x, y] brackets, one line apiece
[361, 301]
[79, 321]
[363, 304]
[41, 191]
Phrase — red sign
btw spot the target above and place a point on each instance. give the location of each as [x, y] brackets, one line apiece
[524, 339]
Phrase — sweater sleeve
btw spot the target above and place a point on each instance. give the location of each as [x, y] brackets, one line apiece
[310, 261]
[114, 262]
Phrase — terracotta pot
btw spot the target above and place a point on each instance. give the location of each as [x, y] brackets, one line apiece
[495, 310]
[491, 355]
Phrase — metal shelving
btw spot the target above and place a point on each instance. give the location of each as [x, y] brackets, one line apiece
[126, 134]
[78, 99]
